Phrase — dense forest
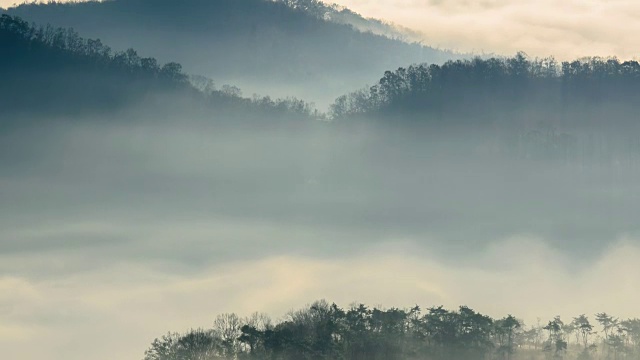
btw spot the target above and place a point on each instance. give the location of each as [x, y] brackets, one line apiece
[582, 110]
[579, 111]
[55, 72]
[133, 174]
[326, 331]
[361, 155]
[479, 87]
[529, 108]
[278, 48]
[343, 15]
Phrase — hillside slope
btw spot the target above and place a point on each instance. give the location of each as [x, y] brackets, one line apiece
[53, 72]
[263, 46]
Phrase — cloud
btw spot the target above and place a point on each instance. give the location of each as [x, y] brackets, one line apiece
[565, 29]
[10, 3]
[119, 309]
[115, 232]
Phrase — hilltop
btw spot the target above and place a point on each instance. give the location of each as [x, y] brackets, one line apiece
[278, 48]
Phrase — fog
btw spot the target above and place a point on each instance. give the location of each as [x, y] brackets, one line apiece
[265, 47]
[116, 230]
[565, 29]
[137, 199]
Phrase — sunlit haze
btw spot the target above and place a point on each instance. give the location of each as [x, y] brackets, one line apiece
[565, 29]
[204, 158]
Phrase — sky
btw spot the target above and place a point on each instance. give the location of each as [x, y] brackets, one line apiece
[112, 234]
[564, 29]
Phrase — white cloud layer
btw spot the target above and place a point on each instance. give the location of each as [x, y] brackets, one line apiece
[116, 311]
[565, 29]
[114, 233]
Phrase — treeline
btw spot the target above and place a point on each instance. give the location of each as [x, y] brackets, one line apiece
[270, 47]
[54, 71]
[582, 112]
[486, 87]
[326, 331]
[343, 15]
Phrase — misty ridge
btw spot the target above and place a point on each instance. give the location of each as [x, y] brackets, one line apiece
[84, 76]
[128, 136]
[275, 48]
[326, 331]
[580, 111]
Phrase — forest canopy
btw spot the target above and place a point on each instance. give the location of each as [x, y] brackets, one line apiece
[479, 88]
[137, 190]
[55, 71]
[327, 331]
[531, 108]
[279, 48]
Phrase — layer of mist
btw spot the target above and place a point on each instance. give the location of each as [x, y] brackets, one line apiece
[136, 199]
[265, 47]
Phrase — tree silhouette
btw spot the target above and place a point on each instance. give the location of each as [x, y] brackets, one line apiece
[50, 71]
[326, 331]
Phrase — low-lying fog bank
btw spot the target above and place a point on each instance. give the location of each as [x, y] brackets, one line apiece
[114, 230]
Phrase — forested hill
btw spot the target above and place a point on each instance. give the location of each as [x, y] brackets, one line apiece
[51, 71]
[269, 47]
[581, 111]
[54, 72]
[503, 91]
[343, 15]
[326, 331]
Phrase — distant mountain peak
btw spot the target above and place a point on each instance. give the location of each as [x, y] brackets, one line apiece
[343, 15]
[304, 48]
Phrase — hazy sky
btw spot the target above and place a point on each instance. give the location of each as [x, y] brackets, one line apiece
[568, 28]
[565, 29]
[115, 233]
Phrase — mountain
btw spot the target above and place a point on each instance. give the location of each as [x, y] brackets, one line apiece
[278, 48]
[472, 89]
[343, 15]
[575, 110]
[53, 72]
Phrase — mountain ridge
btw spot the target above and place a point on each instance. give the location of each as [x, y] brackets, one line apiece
[262, 46]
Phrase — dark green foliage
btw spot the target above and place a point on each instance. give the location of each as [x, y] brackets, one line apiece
[580, 112]
[47, 70]
[195, 345]
[288, 37]
[324, 331]
[483, 91]
[343, 15]
[51, 72]
[268, 46]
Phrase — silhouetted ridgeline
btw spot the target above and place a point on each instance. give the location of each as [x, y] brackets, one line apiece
[582, 110]
[487, 91]
[324, 331]
[577, 111]
[53, 71]
[343, 15]
[279, 48]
